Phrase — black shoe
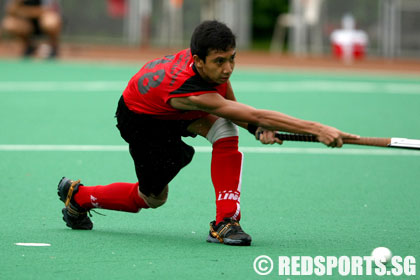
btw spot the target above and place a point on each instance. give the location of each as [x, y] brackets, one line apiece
[53, 53]
[29, 51]
[75, 216]
[228, 232]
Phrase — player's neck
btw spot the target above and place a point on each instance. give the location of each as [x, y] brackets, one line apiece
[200, 72]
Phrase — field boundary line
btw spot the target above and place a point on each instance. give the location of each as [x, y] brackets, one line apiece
[208, 149]
[403, 88]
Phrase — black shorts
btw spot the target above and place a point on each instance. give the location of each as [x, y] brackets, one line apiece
[36, 26]
[155, 146]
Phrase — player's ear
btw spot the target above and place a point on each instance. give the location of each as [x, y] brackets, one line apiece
[199, 63]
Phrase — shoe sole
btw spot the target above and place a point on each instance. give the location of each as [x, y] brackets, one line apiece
[228, 241]
[66, 218]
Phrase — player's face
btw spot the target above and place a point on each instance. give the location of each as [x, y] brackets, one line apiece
[218, 66]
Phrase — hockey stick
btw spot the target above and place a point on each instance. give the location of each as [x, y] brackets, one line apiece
[366, 141]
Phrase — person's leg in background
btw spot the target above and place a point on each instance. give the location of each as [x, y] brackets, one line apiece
[22, 29]
[50, 23]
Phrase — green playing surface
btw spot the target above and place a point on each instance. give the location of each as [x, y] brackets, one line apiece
[298, 199]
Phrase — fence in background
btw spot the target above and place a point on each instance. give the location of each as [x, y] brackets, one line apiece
[148, 22]
[392, 25]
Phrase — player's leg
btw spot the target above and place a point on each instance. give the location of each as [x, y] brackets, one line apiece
[21, 28]
[156, 164]
[154, 169]
[226, 164]
[157, 160]
[157, 151]
[226, 171]
[50, 24]
[16, 26]
[79, 199]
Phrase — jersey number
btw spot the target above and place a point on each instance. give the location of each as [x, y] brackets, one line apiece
[150, 80]
[153, 79]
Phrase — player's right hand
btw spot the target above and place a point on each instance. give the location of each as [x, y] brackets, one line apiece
[267, 136]
[332, 137]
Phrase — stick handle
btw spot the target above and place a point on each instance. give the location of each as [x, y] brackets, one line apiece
[366, 141]
[369, 141]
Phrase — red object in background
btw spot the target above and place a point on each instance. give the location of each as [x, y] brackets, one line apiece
[117, 8]
[177, 3]
[357, 51]
[348, 43]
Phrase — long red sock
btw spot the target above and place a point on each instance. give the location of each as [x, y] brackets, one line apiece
[226, 168]
[116, 196]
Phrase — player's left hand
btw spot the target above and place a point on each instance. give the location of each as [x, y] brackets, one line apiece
[267, 136]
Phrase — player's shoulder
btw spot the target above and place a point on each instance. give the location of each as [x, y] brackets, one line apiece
[170, 61]
[158, 62]
[192, 82]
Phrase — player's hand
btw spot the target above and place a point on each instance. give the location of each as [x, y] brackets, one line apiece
[332, 137]
[267, 136]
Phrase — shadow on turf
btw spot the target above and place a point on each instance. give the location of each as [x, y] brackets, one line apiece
[152, 239]
[149, 237]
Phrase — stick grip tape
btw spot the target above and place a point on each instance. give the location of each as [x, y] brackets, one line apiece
[365, 141]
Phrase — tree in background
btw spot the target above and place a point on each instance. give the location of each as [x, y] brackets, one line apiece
[264, 16]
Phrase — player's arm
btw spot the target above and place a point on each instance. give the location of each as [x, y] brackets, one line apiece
[265, 136]
[214, 103]
[231, 96]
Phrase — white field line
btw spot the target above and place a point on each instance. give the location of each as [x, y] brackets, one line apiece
[33, 244]
[208, 149]
[330, 86]
[82, 86]
[239, 86]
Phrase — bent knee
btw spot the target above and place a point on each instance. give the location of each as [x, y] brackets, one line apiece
[221, 128]
[50, 22]
[16, 26]
[155, 201]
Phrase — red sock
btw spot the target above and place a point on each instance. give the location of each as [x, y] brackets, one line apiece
[226, 169]
[116, 196]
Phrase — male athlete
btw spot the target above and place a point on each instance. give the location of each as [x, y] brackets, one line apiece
[181, 95]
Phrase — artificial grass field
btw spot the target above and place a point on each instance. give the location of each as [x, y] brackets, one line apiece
[298, 199]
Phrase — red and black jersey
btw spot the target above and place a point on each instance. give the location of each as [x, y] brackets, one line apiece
[150, 89]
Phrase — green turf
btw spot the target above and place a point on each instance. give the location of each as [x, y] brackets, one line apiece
[292, 204]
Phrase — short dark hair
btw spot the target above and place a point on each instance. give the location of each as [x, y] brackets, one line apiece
[211, 35]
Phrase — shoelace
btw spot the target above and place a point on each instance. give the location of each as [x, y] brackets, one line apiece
[70, 192]
[231, 227]
[90, 215]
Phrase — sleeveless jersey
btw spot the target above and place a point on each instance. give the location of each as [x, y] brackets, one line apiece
[150, 89]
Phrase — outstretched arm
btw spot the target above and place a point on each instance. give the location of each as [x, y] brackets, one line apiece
[264, 136]
[215, 104]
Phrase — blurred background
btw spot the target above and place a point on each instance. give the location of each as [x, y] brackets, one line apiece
[297, 28]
